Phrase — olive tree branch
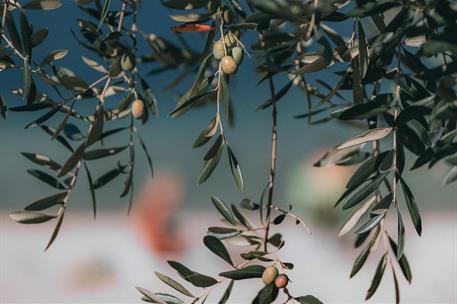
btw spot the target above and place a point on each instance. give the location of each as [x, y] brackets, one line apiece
[292, 215]
[9, 44]
[274, 141]
[5, 8]
[101, 98]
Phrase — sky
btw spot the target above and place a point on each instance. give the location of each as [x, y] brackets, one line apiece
[170, 140]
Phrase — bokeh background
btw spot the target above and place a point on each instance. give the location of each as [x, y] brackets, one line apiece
[102, 260]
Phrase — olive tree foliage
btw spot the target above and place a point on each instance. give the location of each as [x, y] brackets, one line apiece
[395, 83]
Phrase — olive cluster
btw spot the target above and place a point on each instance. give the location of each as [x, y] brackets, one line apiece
[270, 275]
[127, 64]
[229, 54]
[227, 49]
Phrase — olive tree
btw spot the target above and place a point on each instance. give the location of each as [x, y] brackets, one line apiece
[395, 77]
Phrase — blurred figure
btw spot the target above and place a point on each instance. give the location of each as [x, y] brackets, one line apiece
[90, 273]
[154, 213]
[316, 189]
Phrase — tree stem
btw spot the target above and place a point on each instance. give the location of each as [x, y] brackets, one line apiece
[274, 141]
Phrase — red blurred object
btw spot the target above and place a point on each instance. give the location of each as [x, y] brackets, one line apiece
[192, 28]
[153, 215]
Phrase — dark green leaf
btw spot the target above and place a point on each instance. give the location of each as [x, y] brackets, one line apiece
[39, 36]
[401, 236]
[224, 210]
[42, 4]
[184, 5]
[72, 161]
[92, 190]
[47, 202]
[106, 178]
[51, 132]
[26, 35]
[96, 128]
[354, 218]
[146, 153]
[181, 269]
[309, 299]
[56, 229]
[3, 107]
[403, 262]
[187, 103]
[149, 97]
[201, 280]
[241, 218]
[227, 293]
[279, 219]
[377, 277]
[225, 97]
[222, 230]
[12, 31]
[216, 247]
[235, 169]
[104, 152]
[412, 207]
[172, 283]
[267, 294]
[215, 147]
[30, 217]
[397, 288]
[248, 272]
[362, 191]
[277, 97]
[360, 260]
[42, 160]
[363, 50]
[370, 224]
[46, 178]
[249, 205]
[72, 132]
[104, 12]
[197, 279]
[209, 166]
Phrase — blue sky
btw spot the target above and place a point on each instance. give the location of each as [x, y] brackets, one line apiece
[170, 140]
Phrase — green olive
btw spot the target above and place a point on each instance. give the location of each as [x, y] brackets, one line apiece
[237, 54]
[227, 16]
[213, 6]
[228, 65]
[137, 108]
[219, 49]
[269, 275]
[230, 39]
[127, 61]
[115, 68]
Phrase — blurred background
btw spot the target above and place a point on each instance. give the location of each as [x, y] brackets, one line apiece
[102, 260]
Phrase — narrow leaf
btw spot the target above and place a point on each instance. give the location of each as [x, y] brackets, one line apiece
[217, 247]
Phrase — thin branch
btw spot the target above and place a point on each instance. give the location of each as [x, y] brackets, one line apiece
[274, 142]
[292, 215]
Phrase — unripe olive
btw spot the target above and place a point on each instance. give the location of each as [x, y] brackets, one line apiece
[127, 61]
[230, 39]
[269, 275]
[219, 49]
[228, 65]
[237, 54]
[137, 108]
[227, 16]
[281, 281]
[213, 5]
[115, 68]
